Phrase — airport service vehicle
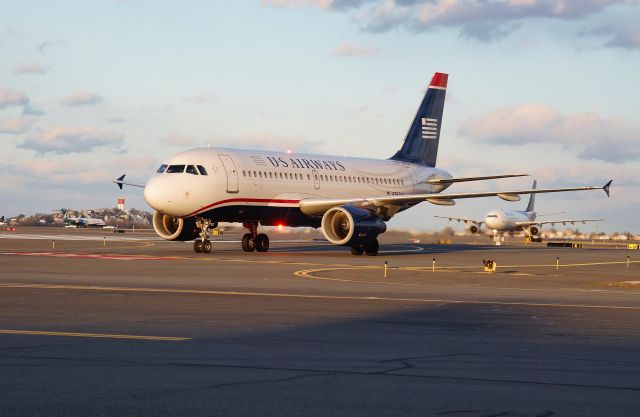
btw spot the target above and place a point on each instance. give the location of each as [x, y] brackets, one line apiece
[500, 221]
[350, 198]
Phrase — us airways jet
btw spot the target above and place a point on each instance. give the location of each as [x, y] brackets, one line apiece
[350, 198]
[500, 221]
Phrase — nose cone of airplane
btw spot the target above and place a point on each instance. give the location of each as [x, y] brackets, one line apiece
[157, 196]
[494, 219]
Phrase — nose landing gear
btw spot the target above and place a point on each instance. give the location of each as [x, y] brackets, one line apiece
[253, 240]
[203, 244]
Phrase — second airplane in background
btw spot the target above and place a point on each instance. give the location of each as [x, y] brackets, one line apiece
[500, 221]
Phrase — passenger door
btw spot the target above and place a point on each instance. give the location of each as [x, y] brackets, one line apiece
[316, 179]
[232, 173]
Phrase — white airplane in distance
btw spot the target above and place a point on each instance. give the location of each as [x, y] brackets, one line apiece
[350, 198]
[2, 222]
[80, 221]
[500, 221]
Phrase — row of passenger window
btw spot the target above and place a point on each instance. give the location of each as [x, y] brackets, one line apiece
[179, 169]
[323, 177]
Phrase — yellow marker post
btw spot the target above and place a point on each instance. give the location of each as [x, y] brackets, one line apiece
[385, 268]
[433, 265]
[557, 262]
[627, 261]
[53, 244]
[104, 241]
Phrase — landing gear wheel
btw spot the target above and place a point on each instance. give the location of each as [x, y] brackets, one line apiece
[248, 243]
[262, 242]
[206, 246]
[357, 250]
[372, 247]
[197, 246]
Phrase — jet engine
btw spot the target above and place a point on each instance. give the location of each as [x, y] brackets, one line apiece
[473, 229]
[534, 231]
[351, 226]
[174, 228]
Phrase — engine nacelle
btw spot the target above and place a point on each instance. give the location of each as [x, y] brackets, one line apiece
[174, 228]
[473, 229]
[350, 226]
[534, 231]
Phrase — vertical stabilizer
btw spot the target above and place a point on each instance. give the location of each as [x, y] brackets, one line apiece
[532, 197]
[421, 143]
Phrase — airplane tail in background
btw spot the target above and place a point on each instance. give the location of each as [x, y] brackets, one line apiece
[421, 143]
[532, 198]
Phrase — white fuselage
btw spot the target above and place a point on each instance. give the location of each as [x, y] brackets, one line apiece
[507, 220]
[244, 178]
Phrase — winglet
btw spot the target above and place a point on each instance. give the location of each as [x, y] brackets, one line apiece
[606, 187]
[120, 180]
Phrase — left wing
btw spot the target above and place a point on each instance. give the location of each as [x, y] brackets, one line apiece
[563, 222]
[316, 207]
[438, 181]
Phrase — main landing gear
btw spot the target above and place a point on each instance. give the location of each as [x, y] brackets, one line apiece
[370, 247]
[253, 240]
[203, 244]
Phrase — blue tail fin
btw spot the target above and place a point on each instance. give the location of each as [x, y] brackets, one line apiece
[421, 144]
[532, 197]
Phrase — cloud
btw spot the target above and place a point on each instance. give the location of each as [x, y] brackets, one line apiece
[33, 69]
[620, 35]
[62, 140]
[480, 19]
[31, 110]
[178, 139]
[154, 109]
[16, 126]
[267, 141]
[347, 50]
[116, 120]
[200, 99]
[594, 137]
[81, 99]
[10, 98]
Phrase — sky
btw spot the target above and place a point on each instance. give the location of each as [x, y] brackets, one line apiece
[91, 90]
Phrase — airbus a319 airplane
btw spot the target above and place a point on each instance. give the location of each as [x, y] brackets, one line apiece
[350, 198]
[500, 221]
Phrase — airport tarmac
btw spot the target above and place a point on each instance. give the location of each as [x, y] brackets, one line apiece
[111, 324]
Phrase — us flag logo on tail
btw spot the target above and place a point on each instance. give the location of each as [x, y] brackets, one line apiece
[429, 128]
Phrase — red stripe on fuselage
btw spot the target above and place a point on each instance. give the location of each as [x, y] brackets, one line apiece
[243, 200]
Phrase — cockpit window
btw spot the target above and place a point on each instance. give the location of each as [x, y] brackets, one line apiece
[162, 168]
[202, 170]
[175, 169]
[192, 170]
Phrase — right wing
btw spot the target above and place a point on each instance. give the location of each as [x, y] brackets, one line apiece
[463, 220]
[120, 181]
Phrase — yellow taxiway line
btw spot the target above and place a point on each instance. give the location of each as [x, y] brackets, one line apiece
[312, 296]
[93, 335]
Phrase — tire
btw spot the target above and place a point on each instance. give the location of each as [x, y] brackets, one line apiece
[262, 242]
[248, 243]
[372, 247]
[357, 250]
[206, 246]
[197, 246]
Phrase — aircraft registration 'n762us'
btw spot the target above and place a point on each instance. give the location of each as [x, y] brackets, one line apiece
[350, 198]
